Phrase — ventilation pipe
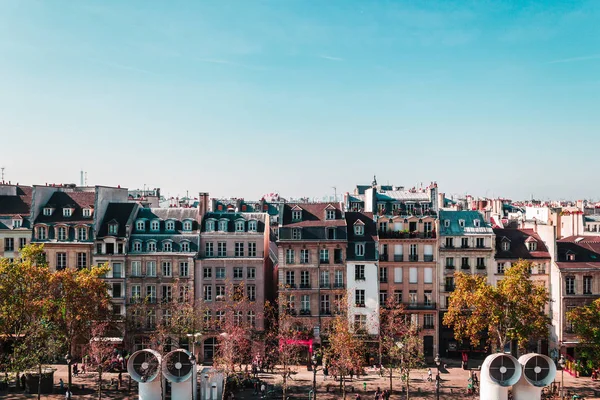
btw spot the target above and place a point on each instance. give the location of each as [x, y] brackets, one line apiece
[539, 371]
[179, 368]
[144, 367]
[498, 372]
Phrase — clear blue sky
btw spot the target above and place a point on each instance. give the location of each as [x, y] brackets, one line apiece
[246, 97]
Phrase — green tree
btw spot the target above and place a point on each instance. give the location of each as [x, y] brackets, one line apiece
[586, 324]
[513, 310]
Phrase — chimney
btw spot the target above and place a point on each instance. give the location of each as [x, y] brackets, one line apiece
[202, 205]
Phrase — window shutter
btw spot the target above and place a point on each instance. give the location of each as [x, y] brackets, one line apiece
[413, 275]
[428, 275]
[428, 251]
[398, 249]
[398, 275]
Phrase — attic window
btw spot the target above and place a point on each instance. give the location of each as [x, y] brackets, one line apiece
[47, 211]
[252, 226]
[170, 225]
[155, 225]
[447, 223]
[113, 229]
[571, 256]
[223, 226]
[210, 226]
[532, 246]
[359, 230]
[330, 214]
[296, 234]
[16, 223]
[505, 245]
[87, 212]
[67, 212]
[476, 223]
[461, 223]
[297, 215]
[140, 225]
[187, 225]
[239, 226]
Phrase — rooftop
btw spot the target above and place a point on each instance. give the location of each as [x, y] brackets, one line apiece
[517, 244]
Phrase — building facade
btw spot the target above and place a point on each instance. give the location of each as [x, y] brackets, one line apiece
[15, 221]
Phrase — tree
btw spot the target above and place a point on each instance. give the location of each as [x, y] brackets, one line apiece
[514, 310]
[399, 341]
[586, 324]
[100, 350]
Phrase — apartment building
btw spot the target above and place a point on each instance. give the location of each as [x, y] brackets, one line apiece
[466, 244]
[15, 221]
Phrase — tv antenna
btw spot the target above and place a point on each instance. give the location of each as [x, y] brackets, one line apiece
[2, 173]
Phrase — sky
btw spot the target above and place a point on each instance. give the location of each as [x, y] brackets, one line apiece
[242, 98]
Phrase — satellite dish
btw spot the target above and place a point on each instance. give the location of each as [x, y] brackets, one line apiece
[177, 366]
[144, 365]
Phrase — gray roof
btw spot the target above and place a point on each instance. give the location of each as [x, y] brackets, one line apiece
[176, 213]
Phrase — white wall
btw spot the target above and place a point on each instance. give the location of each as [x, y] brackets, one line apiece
[371, 288]
[541, 214]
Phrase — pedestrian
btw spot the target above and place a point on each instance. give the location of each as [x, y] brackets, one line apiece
[61, 385]
[357, 396]
[256, 384]
[120, 379]
[75, 370]
[429, 378]
[68, 394]
[83, 368]
[378, 394]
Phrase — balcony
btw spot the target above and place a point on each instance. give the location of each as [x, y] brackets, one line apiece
[305, 286]
[305, 312]
[480, 266]
[413, 257]
[428, 258]
[449, 266]
[383, 257]
[325, 286]
[398, 257]
[465, 266]
[420, 306]
[338, 285]
[387, 234]
[428, 326]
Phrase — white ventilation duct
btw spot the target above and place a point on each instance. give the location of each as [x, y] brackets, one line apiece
[178, 369]
[144, 367]
[498, 372]
[539, 371]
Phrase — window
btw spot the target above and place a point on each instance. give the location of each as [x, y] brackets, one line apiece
[289, 256]
[113, 229]
[207, 292]
[359, 297]
[251, 290]
[427, 227]
[207, 317]
[221, 249]
[9, 244]
[570, 284]
[305, 303]
[304, 279]
[184, 269]
[151, 268]
[61, 261]
[428, 296]
[359, 230]
[237, 318]
[136, 268]
[339, 279]
[398, 275]
[151, 319]
[446, 223]
[62, 233]
[464, 243]
[304, 256]
[505, 245]
[184, 246]
[324, 279]
[501, 267]
[47, 211]
[412, 296]
[210, 226]
[414, 253]
[67, 212]
[239, 226]
[81, 260]
[252, 226]
[398, 296]
[252, 318]
[476, 223]
[532, 246]
[187, 226]
[22, 242]
[428, 275]
[330, 214]
[480, 262]
[414, 319]
[251, 272]
[238, 272]
[239, 249]
[251, 249]
[223, 225]
[449, 242]
[151, 247]
[325, 306]
[116, 290]
[450, 262]
[359, 249]
[412, 275]
[464, 264]
[383, 298]
[136, 293]
[480, 243]
[291, 302]
[461, 223]
[207, 272]
[208, 249]
[17, 223]
[428, 321]
[296, 233]
[324, 256]
[170, 225]
[296, 215]
[220, 293]
[140, 225]
[360, 322]
[42, 233]
[587, 285]
[541, 268]
[220, 273]
[359, 272]
[290, 277]
[151, 293]
[166, 268]
[383, 275]
[154, 225]
[167, 246]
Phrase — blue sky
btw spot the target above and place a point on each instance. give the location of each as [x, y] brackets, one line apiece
[247, 97]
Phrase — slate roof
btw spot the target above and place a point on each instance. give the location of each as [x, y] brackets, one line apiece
[369, 224]
[17, 205]
[469, 229]
[178, 214]
[60, 200]
[313, 214]
[518, 248]
[586, 250]
[119, 213]
[260, 217]
[592, 218]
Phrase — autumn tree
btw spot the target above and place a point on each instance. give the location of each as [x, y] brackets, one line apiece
[399, 341]
[586, 325]
[515, 309]
[100, 350]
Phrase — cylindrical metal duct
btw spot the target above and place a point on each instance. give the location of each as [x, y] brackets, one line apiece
[178, 369]
[498, 372]
[144, 367]
[539, 371]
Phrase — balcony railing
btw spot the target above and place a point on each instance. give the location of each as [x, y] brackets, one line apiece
[325, 311]
[388, 234]
[324, 261]
[383, 257]
[465, 266]
[421, 306]
[480, 266]
[338, 261]
[449, 266]
[338, 285]
[398, 257]
[305, 286]
[413, 257]
[428, 257]
[325, 285]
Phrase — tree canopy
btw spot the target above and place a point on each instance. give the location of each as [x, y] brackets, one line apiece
[586, 324]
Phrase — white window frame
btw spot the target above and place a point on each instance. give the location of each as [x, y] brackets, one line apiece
[47, 211]
[239, 226]
[167, 246]
[296, 215]
[137, 246]
[184, 247]
[223, 225]
[252, 226]
[16, 223]
[461, 223]
[505, 245]
[296, 234]
[67, 212]
[210, 225]
[166, 269]
[136, 268]
[113, 229]
[81, 230]
[359, 230]
[359, 249]
[184, 269]
[447, 223]
[151, 246]
[151, 269]
[64, 235]
[187, 226]
[170, 225]
[42, 233]
[140, 225]
[87, 212]
[329, 214]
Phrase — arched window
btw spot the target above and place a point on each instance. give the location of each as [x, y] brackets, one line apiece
[185, 246]
[167, 246]
[42, 233]
[140, 225]
[187, 225]
[137, 246]
[252, 226]
[239, 226]
[223, 225]
[210, 226]
[170, 225]
[151, 246]
[155, 225]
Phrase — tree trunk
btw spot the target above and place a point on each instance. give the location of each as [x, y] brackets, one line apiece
[391, 372]
[407, 384]
[100, 383]
[284, 382]
[343, 387]
[39, 381]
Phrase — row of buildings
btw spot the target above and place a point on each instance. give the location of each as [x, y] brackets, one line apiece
[379, 243]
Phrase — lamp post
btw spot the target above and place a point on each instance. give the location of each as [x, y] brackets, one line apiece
[314, 364]
[193, 362]
[561, 363]
[400, 346]
[193, 337]
[437, 378]
[69, 360]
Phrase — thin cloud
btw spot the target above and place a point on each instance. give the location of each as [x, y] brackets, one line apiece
[331, 58]
[226, 62]
[575, 59]
[128, 68]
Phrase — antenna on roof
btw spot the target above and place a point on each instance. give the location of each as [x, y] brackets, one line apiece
[2, 174]
[334, 193]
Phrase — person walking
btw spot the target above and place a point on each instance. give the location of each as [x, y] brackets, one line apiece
[378, 394]
[61, 385]
[429, 375]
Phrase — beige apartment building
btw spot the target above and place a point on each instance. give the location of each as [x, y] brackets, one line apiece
[15, 221]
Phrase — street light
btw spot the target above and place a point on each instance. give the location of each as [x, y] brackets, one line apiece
[314, 364]
[400, 346]
[437, 378]
[193, 337]
[194, 390]
[69, 359]
[561, 363]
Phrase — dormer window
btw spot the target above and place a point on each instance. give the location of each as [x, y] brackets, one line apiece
[67, 212]
[167, 246]
[151, 247]
[359, 230]
[61, 233]
[140, 226]
[476, 223]
[252, 226]
[505, 245]
[239, 226]
[113, 229]
[81, 233]
[187, 226]
[447, 223]
[532, 246]
[223, 225]
[210, 226]
[16, 223]
[47, 211]
[155, 225]
[185, 247]
[330, 214]
[571, 256]
[296, 233]
[87, 212]
[170, 225]
[42, 233]
[461, 223]
[137, 246]
[296, 215]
